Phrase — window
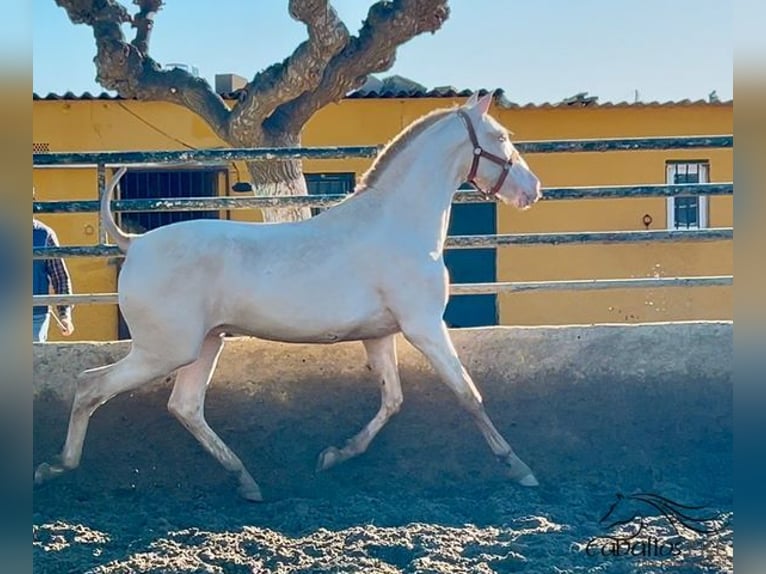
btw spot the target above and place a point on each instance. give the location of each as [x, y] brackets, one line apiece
[687, 211]
[174, 183]
[329, 184]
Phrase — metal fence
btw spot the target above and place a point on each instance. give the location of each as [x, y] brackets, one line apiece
[103, 160]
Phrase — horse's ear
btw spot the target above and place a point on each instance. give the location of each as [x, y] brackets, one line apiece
[484, 102]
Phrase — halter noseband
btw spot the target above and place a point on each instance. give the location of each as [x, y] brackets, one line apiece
[478, 153]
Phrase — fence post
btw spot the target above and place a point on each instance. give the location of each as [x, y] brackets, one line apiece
[101, 191]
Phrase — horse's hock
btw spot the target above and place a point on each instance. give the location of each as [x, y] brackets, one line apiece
[634, 405]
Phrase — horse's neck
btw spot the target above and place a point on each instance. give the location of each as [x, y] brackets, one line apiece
[419, 186]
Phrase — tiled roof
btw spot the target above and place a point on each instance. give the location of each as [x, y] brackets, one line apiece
[580, 100]
[72, 96]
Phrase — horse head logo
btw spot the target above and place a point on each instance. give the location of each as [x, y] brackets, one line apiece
[627, 509]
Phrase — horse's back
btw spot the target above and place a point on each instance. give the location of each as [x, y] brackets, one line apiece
[281, 281]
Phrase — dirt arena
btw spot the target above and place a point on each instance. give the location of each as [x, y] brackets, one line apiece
[428, 496]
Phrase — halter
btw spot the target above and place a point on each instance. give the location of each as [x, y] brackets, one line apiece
[478, 153]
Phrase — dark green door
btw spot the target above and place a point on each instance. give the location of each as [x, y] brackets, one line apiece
[472, 265]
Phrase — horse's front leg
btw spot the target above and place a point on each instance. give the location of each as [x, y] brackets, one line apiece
[381, 359]
[187, 404]
[432, 339]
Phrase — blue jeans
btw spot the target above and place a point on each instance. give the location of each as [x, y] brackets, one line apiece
[40, 328]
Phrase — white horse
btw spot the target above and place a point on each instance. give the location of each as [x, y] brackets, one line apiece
[365, 270]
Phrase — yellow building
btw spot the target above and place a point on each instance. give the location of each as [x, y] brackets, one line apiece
[85, 123]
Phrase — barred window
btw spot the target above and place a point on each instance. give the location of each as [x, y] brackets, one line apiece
[687, 211]
[329, 184]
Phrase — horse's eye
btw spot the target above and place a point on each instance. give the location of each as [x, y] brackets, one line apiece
[502, 138]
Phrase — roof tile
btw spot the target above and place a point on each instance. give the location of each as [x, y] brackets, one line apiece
[440, 92]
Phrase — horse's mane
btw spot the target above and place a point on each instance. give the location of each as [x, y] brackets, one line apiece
[396, 145]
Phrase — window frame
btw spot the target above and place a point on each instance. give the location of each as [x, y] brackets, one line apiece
[671, 170]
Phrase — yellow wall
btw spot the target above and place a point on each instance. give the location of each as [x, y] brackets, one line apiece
[537, 263]
[92, 125]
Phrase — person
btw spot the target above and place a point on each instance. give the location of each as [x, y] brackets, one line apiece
[47, 273]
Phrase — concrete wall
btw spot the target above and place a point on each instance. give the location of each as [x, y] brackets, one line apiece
[578, 401]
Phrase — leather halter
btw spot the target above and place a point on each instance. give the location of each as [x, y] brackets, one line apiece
[478, 153]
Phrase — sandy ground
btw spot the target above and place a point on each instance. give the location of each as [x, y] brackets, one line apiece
[427, 497]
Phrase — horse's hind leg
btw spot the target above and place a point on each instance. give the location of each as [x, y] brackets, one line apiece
[432, 339]
[187, 404]
[94, 388]
[381, 358]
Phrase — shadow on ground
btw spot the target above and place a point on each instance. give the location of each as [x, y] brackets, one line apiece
[427, 497]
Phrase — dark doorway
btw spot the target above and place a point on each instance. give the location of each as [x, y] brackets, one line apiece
[472, 265]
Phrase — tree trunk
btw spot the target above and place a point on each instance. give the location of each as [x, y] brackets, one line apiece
[275, 177]
[279, 178]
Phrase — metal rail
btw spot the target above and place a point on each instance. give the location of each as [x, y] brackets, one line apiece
[235, 203]
[472, 241]
[207, 156]
[474, 288]
[102, 160]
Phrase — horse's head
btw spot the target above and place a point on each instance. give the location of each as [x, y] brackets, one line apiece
[621, 511]
[497, 168]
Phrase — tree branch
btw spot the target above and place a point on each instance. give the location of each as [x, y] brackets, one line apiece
[128, 69]
[144, 22]
[388, 25]
[277, 103]
[300, 72]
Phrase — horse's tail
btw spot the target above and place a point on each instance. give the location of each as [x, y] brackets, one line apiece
[121, 238]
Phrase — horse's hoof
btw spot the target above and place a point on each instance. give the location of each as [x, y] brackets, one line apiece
[45, 472]
[250, 492]
[328, 458]
[520, 472]
[528, 480]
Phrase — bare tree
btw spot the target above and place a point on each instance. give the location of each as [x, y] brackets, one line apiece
[272, 108]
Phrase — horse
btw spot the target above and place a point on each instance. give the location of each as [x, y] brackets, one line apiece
[186, 285]
[632, 508]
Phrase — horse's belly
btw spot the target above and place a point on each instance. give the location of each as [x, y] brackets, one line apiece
[322, 322]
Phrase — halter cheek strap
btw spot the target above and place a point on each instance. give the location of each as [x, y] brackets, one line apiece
[478, 153]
